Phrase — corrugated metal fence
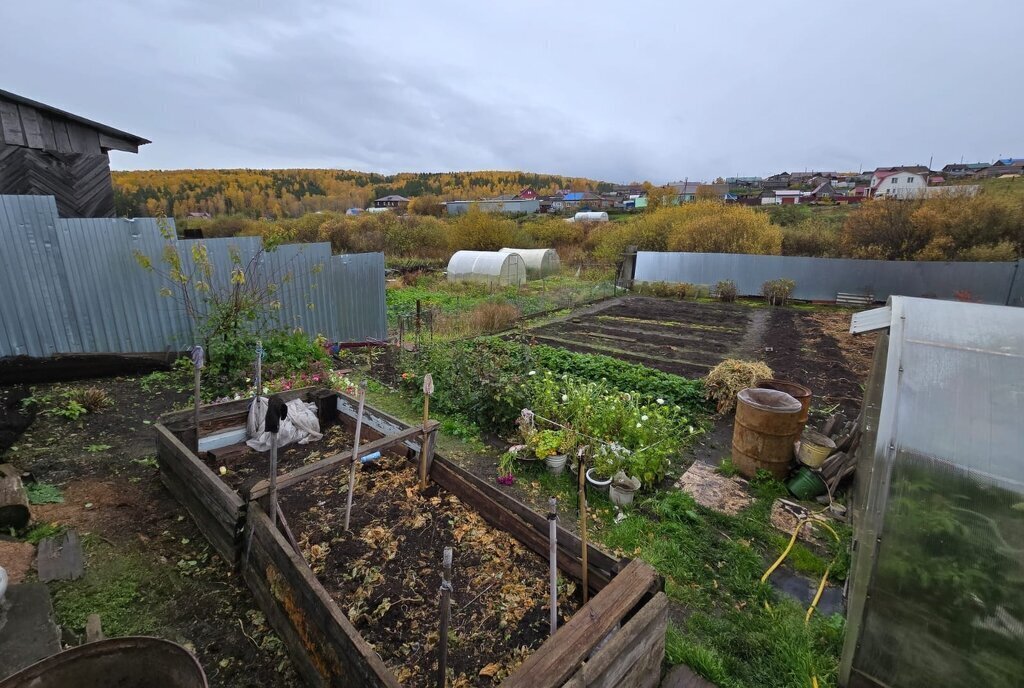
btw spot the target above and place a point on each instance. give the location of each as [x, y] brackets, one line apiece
[74, 285]
[820, 279]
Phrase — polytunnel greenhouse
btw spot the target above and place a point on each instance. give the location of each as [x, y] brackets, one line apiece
[540, 262]
[496, 268]
[936, 594]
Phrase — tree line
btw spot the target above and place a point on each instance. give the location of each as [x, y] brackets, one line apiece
[280, 194]
[980, 228]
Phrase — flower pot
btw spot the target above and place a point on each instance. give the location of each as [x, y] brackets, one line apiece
[598, 484]
[622, 488]
[556, 463]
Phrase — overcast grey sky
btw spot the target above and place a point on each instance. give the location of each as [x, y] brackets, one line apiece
[611, 90]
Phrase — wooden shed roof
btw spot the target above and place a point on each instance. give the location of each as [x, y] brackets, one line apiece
[29, 123]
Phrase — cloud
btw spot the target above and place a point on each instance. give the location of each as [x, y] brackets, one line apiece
[663, 91]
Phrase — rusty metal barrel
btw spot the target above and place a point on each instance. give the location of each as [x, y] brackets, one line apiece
[132, 662]
[798, 392]
[767, 421]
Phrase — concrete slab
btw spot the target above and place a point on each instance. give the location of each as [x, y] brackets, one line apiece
[28, 632]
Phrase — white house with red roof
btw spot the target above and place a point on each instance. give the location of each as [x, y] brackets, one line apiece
[900, 182]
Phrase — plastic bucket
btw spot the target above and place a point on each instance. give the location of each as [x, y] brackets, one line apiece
[556, 464]
[620, 496]
[767, 423]
[806, 484]
[814, 448]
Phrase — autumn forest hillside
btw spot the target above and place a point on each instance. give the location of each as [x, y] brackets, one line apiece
[291, 193]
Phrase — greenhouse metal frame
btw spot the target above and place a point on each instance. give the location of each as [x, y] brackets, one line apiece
[936, 593]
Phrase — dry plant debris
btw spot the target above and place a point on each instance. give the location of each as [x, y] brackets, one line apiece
[385, 574]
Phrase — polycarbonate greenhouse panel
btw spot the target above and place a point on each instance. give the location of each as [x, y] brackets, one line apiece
[937, 583]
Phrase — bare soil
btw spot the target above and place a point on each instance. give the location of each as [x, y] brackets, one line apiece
[148, 568]
[682, 337]
[385, 574]
[815, 349]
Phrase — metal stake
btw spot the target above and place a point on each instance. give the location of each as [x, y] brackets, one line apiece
[355, 452]
[446, 602]
[259, 368]
[198, 361]
[553, 573]
[583, 527]
[273, 479]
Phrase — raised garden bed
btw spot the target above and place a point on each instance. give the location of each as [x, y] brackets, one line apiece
[378, 584]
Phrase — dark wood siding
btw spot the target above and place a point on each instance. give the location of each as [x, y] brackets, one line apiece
[80, 182]
[48, 152]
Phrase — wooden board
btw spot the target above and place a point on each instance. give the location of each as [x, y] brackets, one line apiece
[31, 126]
[262, 488]
[327, 649]
[216, 509]
[10, 124]
[561, 655]
[60, 557]
[632, 657]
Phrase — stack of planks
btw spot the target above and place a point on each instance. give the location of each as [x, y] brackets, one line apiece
[843, 461]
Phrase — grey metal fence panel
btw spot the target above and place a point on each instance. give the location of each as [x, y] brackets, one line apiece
[820, 279]
[75, 286]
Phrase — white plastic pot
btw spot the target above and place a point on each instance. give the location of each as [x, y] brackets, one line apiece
[556, 463]
[597, 483]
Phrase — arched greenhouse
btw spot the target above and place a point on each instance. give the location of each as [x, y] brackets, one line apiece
[496, 268]
[540, 262]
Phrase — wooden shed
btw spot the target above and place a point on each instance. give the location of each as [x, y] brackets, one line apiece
[45, 151]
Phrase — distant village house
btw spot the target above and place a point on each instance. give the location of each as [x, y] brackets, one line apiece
[392, 202]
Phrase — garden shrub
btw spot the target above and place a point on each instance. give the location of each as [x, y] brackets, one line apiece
[726, 290]
[778, 291]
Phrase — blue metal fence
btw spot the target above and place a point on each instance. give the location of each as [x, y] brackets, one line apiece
[74, 285]
[820, 279]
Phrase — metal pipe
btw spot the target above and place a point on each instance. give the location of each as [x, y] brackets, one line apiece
[553, 572]
[446, 600]
[355, 453]
[273, 479]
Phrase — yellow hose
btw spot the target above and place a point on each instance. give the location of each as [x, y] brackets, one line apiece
[824, 579]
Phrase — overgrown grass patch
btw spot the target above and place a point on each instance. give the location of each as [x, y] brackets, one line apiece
[126, 590]
[738, 631]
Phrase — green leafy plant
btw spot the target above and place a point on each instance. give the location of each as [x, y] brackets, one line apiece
[72, 410]
[96, 448]
[44, 493]
[545, 443]
[42, 531]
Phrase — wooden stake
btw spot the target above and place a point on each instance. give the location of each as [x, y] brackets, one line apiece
[355, 452]
[428, 389]
[446, 601]
[553, 557]
[583, 528]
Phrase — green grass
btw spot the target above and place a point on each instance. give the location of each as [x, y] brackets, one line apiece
[738, 632]
[42, 531]
[1003, 188]
[127, 591]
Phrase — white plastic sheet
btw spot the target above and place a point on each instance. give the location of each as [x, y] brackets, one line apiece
[300, 426]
